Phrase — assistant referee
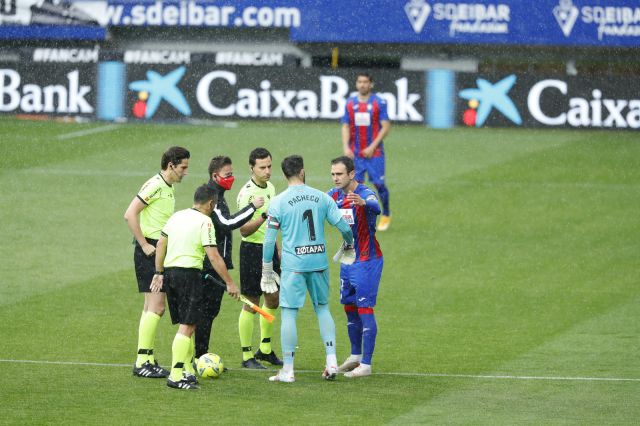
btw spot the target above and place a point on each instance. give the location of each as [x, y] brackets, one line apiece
[186, 238]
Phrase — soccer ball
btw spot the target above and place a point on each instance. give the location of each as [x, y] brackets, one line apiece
[210, 365]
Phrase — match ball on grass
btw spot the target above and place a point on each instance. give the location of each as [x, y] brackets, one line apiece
[210, 365]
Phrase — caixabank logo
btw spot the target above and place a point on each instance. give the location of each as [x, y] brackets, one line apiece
[202, 91]
[156, 89]
[487, 97]
[539, 101]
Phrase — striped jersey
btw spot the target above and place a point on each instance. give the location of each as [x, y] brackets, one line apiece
[364, 120]
[362, 220]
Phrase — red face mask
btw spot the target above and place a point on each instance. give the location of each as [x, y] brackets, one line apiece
[225, 182]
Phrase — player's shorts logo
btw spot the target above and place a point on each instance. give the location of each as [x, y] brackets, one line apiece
[418, 12]
[566, 14]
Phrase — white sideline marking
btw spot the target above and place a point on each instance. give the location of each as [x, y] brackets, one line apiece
[86, 132]
[444, 375]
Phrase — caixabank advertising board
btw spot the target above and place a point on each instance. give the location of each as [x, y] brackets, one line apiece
[48, 88]
[203, 91]
[539, 101]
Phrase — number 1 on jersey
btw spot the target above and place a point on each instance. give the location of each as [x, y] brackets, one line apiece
[308, 215]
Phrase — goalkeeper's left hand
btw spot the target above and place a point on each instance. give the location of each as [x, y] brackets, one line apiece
[270, 279]
[346, 254]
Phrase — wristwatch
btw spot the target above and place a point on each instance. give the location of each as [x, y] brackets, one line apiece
[264, 215]
[159, 273]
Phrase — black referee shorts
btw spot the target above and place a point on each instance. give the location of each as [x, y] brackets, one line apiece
[184, 294]
[251, 268]
[145, 266]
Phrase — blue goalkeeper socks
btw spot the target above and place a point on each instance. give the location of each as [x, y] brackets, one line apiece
[288, 334]
[327, 328]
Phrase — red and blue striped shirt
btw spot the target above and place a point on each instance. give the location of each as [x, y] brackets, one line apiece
[364, 120]
[362, 220]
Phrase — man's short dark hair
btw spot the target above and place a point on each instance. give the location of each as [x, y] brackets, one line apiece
[348, 162]
[173, 155]
[204, 194]
[258, 154]
[217, 163]
[365, 74]
[292, 165]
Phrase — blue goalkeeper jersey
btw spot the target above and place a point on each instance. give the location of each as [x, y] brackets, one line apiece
[299, 213]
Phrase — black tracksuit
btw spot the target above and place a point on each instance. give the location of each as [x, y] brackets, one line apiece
[224, 223]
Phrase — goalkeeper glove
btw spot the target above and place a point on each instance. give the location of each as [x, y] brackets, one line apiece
[270, 279]
[346, 255]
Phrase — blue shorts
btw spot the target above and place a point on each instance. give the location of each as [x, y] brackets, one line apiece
[294, 287]
[359, 283]
[374, 167]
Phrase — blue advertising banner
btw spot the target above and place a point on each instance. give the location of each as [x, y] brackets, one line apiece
[210, 13]
[607, 23]
[515, 22]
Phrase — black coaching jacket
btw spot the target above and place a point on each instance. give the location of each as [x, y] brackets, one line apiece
[224, 222]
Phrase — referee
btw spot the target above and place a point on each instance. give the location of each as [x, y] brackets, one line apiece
[180, 251]
[251, 263]
[146, 215]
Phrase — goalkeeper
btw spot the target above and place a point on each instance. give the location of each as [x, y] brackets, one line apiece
[359, 281]
[300, 213]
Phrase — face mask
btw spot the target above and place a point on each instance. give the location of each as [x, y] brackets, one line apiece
[225, 182]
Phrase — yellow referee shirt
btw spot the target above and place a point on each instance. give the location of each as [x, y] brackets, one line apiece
[188, 232]
[246, 195]
[159, 198]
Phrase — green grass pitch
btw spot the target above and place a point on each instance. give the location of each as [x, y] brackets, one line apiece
[510, 293]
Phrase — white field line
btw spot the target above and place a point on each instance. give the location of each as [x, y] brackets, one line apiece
[81, 133]
[435, 375]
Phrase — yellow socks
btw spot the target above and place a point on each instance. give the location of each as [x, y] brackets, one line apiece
[146, 337]
[245, 327]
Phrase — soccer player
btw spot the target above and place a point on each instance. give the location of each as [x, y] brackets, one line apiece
[364, 126]
[187, 236]
[146, 215]
[359, 281]
[251, 263]
[299, 213]
[221, 180]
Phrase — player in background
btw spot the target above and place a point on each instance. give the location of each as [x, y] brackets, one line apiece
[299, 213]
[365, 124]
[359, 281]
[186, 238]
[253, 233]
[146, 215]
[221, 180]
